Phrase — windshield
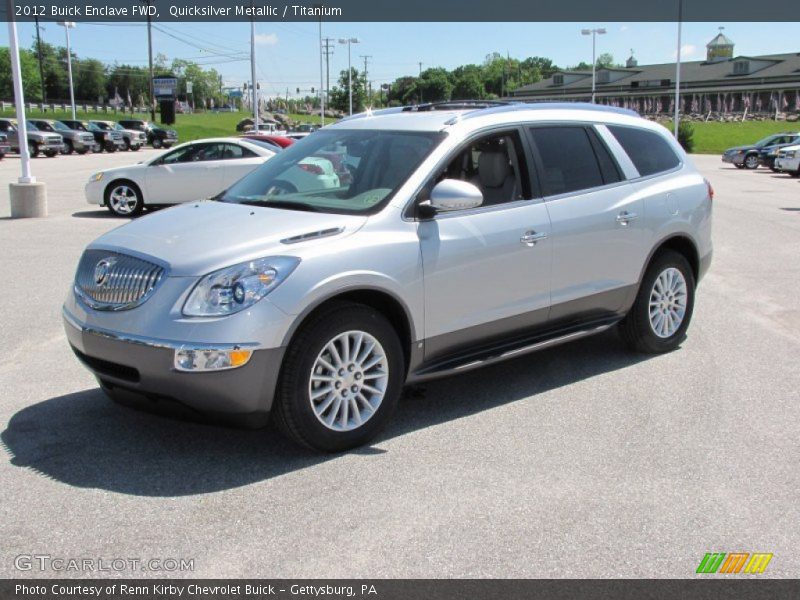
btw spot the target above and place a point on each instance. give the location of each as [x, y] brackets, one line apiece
[267, 145]
[102, 126]
[767, 141]
[118, 127]
[31, 126]
[92, 127]
[336, 171]
[59, 126]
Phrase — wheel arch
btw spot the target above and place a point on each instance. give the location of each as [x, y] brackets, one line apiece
[388, 304]
[683, 245]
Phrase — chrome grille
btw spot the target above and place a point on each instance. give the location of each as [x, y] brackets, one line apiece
[112, 281]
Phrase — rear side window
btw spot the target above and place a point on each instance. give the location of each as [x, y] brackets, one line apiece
[649, 151]
[568, 160]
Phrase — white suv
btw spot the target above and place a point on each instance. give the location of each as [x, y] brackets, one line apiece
[459, 235]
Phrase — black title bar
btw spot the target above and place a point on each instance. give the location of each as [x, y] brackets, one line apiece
[584, 11]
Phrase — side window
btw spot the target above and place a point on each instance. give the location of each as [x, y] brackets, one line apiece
[496, 164]
[181, 155]
[649, 151]
[568, 159]
[208, 152]
[608, 166]
[230, 151]
[4, 126]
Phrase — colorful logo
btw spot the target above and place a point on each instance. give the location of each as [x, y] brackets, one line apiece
[734, 562]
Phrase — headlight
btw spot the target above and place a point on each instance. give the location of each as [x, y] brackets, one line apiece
[96, 176]
[236, 288]
[790, 154]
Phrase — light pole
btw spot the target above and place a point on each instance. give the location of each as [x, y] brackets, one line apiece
[67, 26]
[594, 33]
[678, 72]
[349, 42]
[253, 82]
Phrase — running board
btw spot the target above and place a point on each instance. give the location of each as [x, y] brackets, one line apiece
[505, 351]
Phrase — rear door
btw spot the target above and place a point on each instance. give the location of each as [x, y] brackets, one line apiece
[596, 219]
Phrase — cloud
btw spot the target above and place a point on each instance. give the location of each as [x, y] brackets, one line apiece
[266, 39]
[687, 51]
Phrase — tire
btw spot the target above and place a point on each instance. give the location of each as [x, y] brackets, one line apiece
[157, 143]
[751, 161]
[33, 149]
[127, 145]
[124, 198]
[50, 153]
[296, 412]
[641, 331]
[110, 147]
[794, 174]
[82, 152]
[134, 148]
[68, 147]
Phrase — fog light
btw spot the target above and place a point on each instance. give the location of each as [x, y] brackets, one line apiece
[209, 359]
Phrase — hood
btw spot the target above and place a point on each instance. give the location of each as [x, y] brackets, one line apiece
[200, 237]
[740, 148]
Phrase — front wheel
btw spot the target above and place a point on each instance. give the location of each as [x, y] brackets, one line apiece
[33, 149]
[124, 199]
[157, 143]
[110, 147]
[658, 320]
[341, 378]
[751, 161]
[50, 153]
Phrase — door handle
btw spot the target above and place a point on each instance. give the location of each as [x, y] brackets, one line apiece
[626, 217]
[531, 237]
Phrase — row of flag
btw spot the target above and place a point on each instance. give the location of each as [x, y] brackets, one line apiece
[706, 103]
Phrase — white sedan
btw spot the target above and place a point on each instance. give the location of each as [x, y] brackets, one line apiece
[189, 172]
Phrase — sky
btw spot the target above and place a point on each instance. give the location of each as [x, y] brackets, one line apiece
[288, 53]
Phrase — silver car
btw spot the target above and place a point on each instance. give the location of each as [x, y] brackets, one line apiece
[463, 234]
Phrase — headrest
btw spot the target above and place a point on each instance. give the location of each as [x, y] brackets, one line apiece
[493, 168]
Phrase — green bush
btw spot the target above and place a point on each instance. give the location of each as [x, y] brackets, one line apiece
[686, 135]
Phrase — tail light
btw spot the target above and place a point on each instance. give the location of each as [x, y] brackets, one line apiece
[313, 169]
[710, 190]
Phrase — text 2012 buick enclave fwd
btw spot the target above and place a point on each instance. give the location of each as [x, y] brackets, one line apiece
[464, 234]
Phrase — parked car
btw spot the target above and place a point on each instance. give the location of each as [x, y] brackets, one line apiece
[301, 131]
[74, 141]
[105, 138]
[465, 237]
[45, 142]
[269, 128]
[750, 157]
[82, 128]
[132, 139]
[788, 160]
[279, 140]
[157, 137]
[5, 147]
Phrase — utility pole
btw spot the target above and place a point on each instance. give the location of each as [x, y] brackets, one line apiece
[321, 82]
[39, 52]
[366, 78]
[253, 82]
[328, 49]
[150, 61]
[419, 87]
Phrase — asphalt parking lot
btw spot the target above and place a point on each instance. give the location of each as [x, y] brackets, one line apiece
[580, 461]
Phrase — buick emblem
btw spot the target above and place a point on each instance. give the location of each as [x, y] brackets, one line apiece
[102, 271]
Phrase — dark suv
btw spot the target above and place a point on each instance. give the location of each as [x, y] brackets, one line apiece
[763, 152]
[157, 137]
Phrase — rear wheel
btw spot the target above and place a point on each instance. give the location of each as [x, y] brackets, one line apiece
[341, 378]
[751, 161]
[124, 199]
[663, 308]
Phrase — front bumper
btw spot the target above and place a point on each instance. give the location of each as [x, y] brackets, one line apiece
[139, 372]
[787, 165]
[736, 159]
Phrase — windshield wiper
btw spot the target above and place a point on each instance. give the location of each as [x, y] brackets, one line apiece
[290, 204]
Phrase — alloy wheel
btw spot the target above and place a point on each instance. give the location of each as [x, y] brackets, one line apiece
[668, 301]
[123, 200]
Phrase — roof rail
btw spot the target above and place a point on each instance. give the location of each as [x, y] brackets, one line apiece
[455, 105]
[516, 106]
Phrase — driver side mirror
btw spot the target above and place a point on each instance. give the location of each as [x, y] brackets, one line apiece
[452, 194]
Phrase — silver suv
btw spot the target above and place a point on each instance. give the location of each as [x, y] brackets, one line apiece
[457, 235]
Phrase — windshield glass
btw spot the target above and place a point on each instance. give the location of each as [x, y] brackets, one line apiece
[337, 171]
[118, 127]
[31, 126]
[59, 126]
[767, 140]
[92, 127]
[101, 125]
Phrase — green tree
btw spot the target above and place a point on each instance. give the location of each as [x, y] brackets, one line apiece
[435, 85]
[467, 83]
[29, 70]
[89, 78]
[340, 95]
